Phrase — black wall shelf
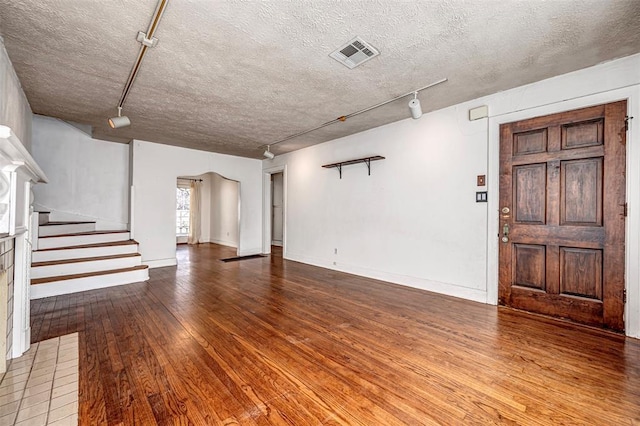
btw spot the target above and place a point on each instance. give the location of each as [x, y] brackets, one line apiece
[365, 160]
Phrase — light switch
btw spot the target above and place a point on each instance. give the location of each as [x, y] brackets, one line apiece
[481, 197]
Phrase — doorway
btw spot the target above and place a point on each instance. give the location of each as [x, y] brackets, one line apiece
[274, 208]
[277, 210]
[183, 208]
[562, 215]
[217, 211]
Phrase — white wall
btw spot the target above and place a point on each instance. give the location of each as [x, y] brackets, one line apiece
[15, 111]
[415, 221]
[412, 221]
[224, 211]
[205, 207]
[155, 170]
[88, 178]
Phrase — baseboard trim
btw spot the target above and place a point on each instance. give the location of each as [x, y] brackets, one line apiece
[160, 263]
[224, 243]
[249, 252]
[407, 281]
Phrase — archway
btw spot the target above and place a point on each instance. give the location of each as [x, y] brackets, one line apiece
[219, 209]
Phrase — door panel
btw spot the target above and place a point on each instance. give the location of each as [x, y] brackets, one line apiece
[581, 192]
[530, 267]
[582, 134]
[529, 193]
[562, 204]
[581, 272]
[530, 142]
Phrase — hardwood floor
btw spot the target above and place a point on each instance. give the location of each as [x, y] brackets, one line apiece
[266, 341]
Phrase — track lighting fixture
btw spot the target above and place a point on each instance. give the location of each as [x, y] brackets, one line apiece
[414, 107]
[147, 41]
[119, 121]
[268, 154]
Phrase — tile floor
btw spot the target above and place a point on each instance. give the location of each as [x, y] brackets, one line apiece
[41, 387]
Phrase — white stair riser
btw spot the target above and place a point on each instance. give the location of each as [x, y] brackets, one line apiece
[81, 253]
[45, 231]
[57, 288]
[84, 267]
[81, 240]
[43, 218]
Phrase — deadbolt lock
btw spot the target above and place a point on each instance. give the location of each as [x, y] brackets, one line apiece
[505, 232]
[505, 210]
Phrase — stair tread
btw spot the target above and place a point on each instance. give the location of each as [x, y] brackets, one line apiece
[85, 233]
[86, 275]
[84, 259]
[107, 244]
[66, 223]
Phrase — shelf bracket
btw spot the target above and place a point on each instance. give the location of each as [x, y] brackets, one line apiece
[339, 166]
[367, 161]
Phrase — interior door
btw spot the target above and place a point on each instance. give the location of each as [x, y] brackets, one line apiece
[562, 217]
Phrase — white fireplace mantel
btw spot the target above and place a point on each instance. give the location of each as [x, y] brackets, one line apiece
[18, 173]
[18, 169]
[13, 153]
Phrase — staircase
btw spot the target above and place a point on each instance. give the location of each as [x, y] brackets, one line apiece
[72, 256]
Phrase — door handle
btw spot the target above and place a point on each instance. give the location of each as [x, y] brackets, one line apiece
[505, 233]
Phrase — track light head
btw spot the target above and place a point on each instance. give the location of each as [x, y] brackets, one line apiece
[268, 154]
[119, 121]
[415, 107]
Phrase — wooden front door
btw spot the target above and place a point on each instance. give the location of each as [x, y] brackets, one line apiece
[562, 215]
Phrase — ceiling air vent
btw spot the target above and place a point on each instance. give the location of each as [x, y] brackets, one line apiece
[354, 53]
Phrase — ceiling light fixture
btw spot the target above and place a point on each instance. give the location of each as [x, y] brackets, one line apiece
[268, 154]
[353, 114]
[414, 107]
[119, 121]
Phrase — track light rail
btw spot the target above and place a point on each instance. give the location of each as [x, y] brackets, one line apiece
[153, 26]
[353, 114]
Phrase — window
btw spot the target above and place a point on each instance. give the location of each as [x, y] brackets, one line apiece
[182, 211]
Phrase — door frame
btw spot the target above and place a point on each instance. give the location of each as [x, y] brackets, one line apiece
[266, 208]
[632, 231]
[272, 210]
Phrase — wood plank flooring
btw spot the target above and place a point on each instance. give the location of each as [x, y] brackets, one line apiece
[272, 342]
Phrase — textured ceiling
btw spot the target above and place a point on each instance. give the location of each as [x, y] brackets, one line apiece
[230, 76]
